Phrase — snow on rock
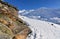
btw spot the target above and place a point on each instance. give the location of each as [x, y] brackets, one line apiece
[42, 29]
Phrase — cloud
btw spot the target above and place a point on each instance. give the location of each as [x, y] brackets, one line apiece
[55, 18]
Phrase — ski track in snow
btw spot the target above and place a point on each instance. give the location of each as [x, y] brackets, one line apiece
[42, 29]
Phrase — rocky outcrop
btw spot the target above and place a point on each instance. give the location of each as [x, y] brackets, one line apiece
[11, 27]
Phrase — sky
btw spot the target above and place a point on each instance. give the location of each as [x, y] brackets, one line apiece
[34, 4]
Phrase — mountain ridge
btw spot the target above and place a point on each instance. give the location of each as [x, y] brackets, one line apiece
[44, 14]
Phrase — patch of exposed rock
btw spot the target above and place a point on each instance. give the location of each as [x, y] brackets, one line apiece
[11, 27]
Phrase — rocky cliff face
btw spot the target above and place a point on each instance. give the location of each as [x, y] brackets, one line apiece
[11, 27]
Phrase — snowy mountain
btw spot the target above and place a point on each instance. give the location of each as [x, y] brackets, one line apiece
[42, 29]
[46, 14]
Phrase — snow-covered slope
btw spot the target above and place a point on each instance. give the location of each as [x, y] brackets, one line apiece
[42, 29]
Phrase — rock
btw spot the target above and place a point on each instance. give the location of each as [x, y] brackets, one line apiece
[4, 36]
[12, 27]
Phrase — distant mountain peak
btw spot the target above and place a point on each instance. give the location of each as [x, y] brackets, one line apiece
[43, 8]
[44, 13]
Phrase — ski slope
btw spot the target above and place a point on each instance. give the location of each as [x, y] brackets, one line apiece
[42, 29]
